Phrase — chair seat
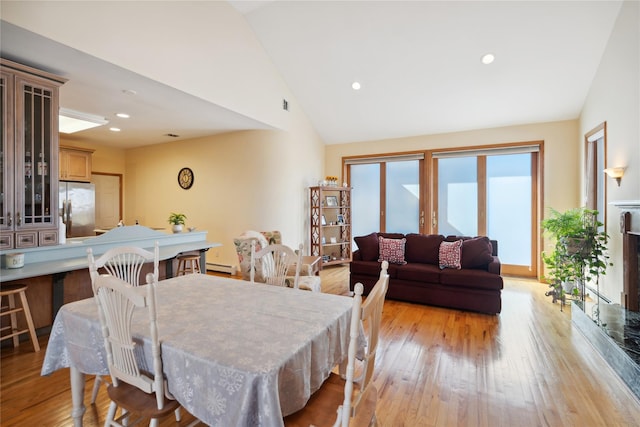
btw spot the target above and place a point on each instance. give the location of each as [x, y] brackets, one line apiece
[320, 410]
[138, 402]
[308, 283]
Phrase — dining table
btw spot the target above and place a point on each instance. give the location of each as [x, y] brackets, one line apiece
[234, 353]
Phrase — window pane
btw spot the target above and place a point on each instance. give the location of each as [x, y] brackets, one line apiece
[365, 199]
[458, 196]
[402, 197]
[509, 206]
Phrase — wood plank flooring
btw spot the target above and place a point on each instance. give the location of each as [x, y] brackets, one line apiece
[435, 367]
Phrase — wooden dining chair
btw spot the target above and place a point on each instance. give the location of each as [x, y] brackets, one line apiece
[353, 399]
[125, 263]
[139, 394]
[272, 264]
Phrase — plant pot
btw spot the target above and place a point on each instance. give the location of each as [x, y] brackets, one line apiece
[177, 228]
[577, 246]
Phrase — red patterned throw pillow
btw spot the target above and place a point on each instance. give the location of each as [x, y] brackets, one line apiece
[391, 250]
[449, 254]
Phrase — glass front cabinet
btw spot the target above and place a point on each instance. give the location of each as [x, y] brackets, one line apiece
[29, 170]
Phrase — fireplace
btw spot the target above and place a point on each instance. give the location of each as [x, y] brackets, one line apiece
[614, 329]
[630, 229]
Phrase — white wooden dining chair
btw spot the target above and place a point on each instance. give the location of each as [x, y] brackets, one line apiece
[353, 399]
[138, 393]
[125, 263]
[274, 262]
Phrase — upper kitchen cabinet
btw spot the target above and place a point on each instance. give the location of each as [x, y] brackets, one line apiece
[28, 173]
[75, 164]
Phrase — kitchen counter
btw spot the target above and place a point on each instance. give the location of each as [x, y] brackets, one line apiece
[72, 255]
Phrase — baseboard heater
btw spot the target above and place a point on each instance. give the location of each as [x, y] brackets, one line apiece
[221, 268]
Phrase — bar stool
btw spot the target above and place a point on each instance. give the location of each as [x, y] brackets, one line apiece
[188, 264]
[10, 292]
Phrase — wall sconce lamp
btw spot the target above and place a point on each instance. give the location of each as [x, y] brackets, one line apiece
[615, 173]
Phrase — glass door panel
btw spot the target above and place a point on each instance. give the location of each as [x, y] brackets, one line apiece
[509, 206]
[365, 199]
[402, 197]
[458, 196]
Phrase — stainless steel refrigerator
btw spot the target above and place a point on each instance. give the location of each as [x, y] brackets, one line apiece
[78, 208]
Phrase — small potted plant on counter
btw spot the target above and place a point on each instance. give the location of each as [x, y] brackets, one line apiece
[177, 220]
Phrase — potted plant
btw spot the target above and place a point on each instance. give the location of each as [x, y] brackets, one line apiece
[177, 220]
[580, 252]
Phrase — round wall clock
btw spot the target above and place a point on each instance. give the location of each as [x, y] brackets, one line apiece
[185, 178]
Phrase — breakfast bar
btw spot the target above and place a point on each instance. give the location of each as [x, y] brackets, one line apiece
[57, 275]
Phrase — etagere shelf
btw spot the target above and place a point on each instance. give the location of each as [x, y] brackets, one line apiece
[331, 224]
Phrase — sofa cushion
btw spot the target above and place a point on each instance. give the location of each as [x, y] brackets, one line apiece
[371, 268]
[392, 250]
[423, 248]
[449, 254]
[422, 274]
[471, 278]
[391, 235]
[368, 246]
[476, 252]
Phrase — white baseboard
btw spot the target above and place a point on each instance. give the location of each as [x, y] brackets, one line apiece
[221, 268]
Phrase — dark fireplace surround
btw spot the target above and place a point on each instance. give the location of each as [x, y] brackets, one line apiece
[630, 229]
[614, 329]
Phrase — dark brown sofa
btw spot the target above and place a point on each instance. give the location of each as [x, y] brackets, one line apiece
[475, 286]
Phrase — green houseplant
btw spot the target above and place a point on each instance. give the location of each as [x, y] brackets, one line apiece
[177, 220]
[579, 254]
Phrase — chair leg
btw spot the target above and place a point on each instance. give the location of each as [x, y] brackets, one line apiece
[32, 329]
[154, 422]
[96, 387]
[14, 320]
[178, 415]
[110, 414]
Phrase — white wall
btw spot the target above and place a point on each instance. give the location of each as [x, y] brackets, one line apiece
[614, 97]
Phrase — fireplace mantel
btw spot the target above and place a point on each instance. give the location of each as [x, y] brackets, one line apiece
[630, 228]
[626, 204]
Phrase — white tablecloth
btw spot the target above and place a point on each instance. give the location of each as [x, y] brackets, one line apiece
[234, 353]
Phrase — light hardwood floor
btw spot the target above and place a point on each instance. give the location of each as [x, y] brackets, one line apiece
[435, 367]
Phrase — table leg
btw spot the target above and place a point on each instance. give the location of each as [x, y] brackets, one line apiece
[77, 396]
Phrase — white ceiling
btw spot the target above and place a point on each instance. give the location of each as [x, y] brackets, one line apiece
[418, 63]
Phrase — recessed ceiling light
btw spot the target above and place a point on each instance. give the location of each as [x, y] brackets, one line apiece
[356, 85]
[129, 92]
[114, 129]
[123, 115]
[488, 58]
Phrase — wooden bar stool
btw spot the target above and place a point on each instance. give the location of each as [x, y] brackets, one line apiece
[188, 264]
[10, 292]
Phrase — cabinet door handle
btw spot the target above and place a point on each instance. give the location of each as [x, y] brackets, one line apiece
[18, 219]
[9, 219]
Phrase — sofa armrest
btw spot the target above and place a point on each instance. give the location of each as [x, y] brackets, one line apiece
[356, 256]
[494, 266]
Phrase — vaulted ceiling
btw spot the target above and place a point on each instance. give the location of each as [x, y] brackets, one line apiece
[418, 64]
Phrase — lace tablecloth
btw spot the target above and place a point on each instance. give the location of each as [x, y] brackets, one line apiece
[234, 353]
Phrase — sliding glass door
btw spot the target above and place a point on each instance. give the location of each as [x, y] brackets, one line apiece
[493, 195]
[386, 196]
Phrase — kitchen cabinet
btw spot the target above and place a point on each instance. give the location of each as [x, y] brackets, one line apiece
[75, 164]
[330, 221]
[28, 173]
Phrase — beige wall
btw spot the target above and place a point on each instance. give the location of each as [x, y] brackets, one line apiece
[251, 180]
[614, 97]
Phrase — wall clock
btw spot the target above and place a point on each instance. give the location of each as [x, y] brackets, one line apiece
[185, 178]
